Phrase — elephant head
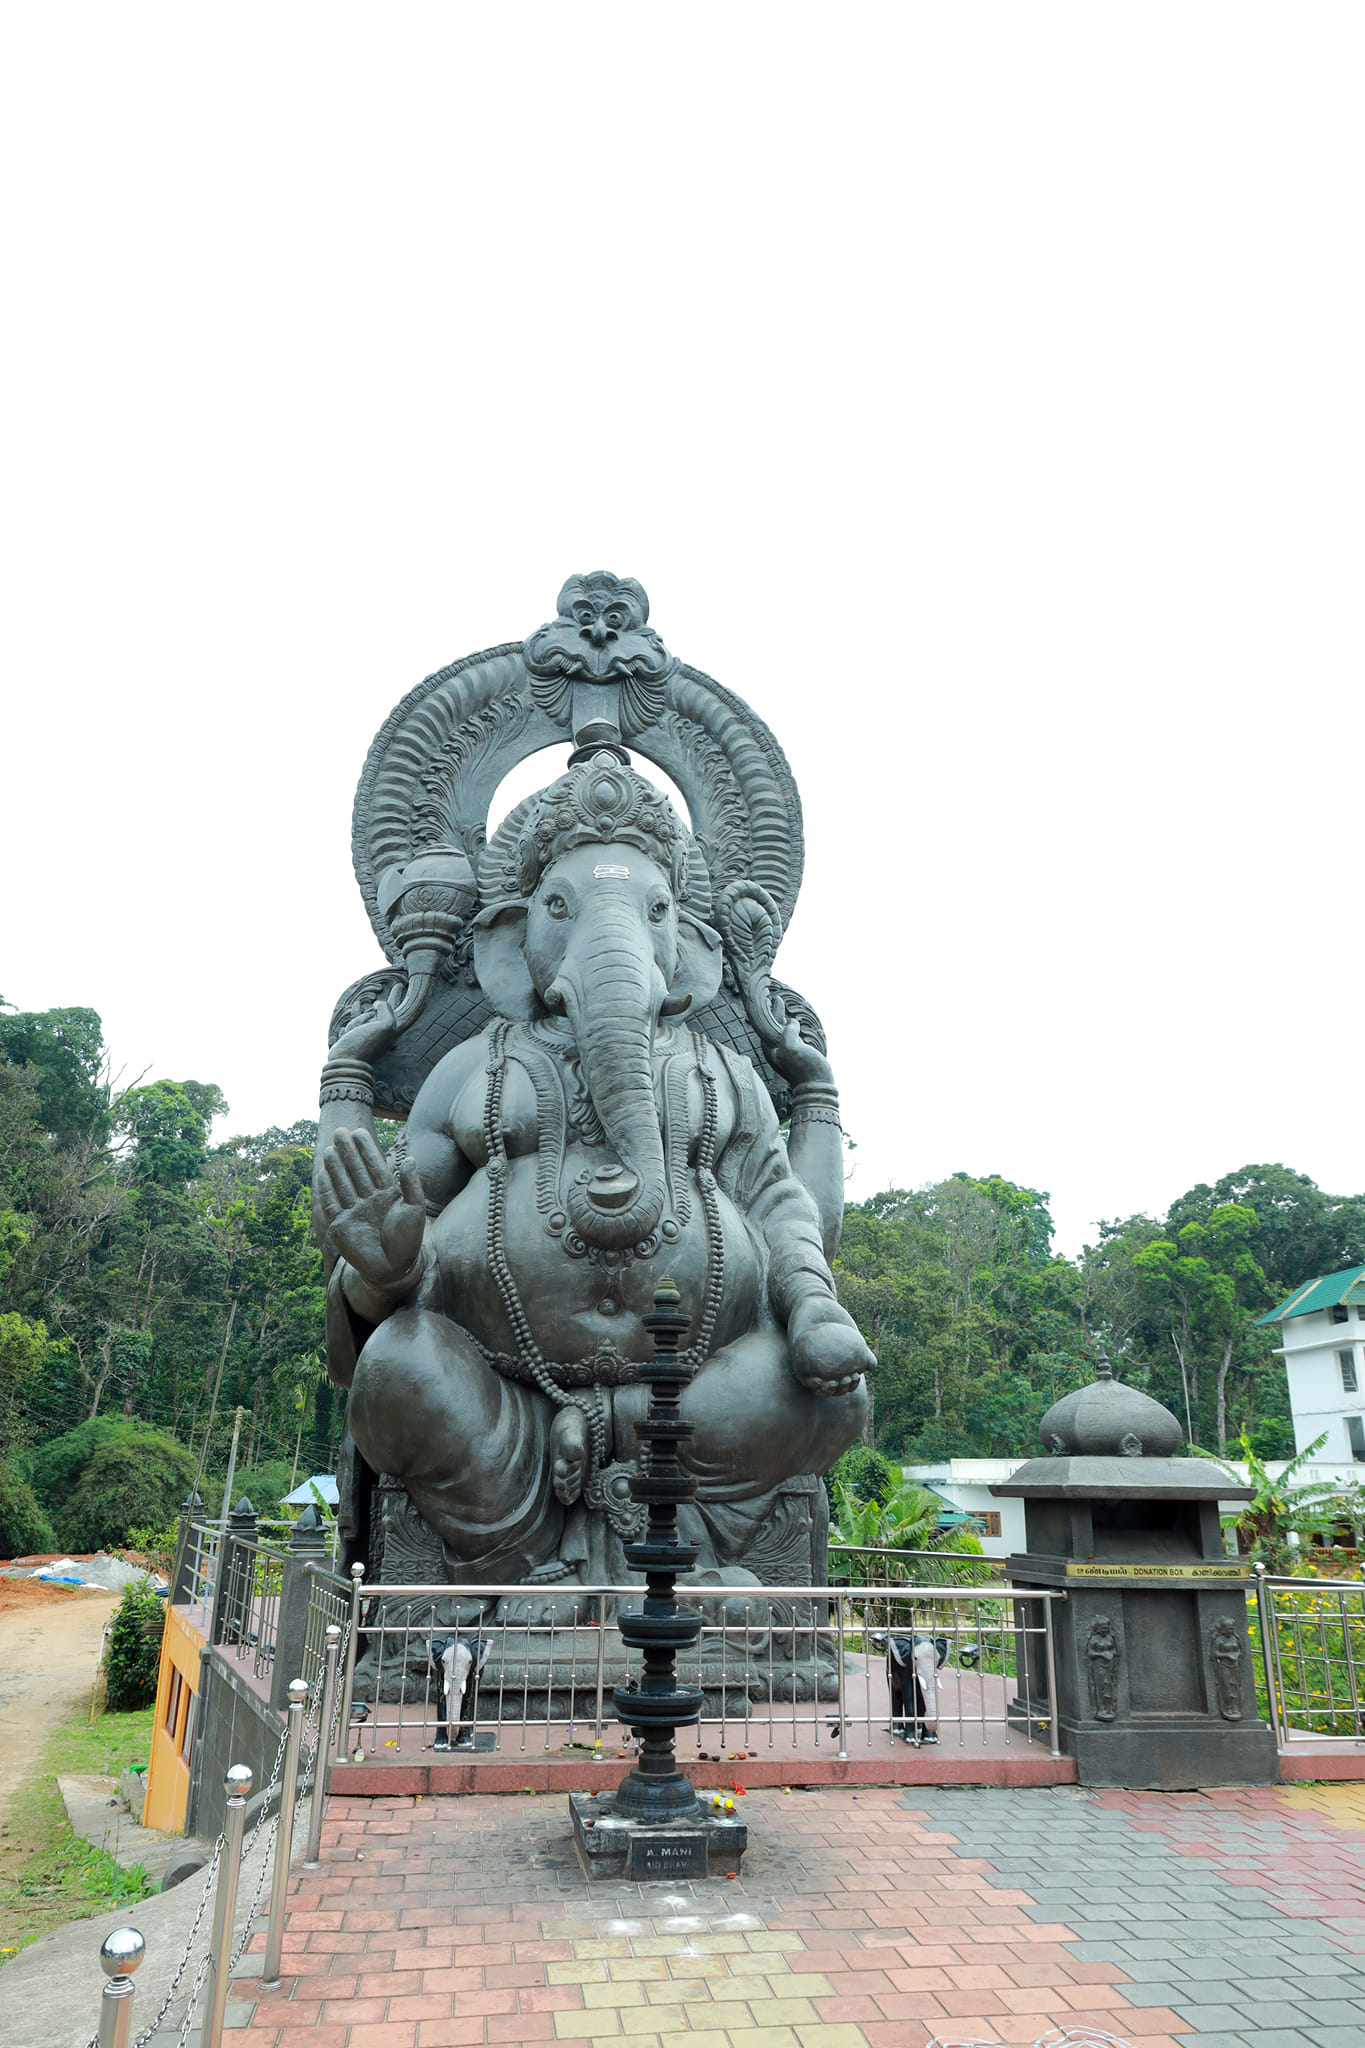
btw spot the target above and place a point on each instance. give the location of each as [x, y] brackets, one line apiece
[602, 939]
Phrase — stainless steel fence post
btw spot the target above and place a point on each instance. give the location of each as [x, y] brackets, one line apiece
[284, 1833]
[601, 1663]
[321, 1755]
[121, 1954]
[238, 1786]
[843, 1708]
[1266, 1620]
[1351, 1678]
[1050, 1652]
[357, 1575]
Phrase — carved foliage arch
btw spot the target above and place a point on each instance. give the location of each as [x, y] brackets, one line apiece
[436, 763]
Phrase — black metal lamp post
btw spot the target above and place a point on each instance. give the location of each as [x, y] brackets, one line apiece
[656, 1789]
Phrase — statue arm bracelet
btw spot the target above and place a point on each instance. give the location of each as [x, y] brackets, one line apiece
[815, 1102]
[345, 1080]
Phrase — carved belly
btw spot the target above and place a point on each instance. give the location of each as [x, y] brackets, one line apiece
[583, 1304]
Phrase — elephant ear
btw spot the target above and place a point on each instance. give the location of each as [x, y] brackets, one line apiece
[700, 961]
[500, 959]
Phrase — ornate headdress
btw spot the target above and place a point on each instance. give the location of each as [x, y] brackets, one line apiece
[601, 802]
[597, 675]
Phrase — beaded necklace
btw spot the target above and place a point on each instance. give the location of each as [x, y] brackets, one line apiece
[530, 1362]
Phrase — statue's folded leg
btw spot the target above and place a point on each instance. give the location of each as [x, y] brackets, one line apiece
[754, 1424]
[472, 1448]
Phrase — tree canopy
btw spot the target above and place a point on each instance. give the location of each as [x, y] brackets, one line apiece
[143, 1266]
[137, 1258]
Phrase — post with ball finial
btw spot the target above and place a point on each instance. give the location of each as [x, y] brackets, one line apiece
[120, 1956]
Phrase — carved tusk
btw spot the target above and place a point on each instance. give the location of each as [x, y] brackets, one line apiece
[414, 1001]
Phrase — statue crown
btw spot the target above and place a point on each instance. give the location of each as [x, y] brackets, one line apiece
[601, 802]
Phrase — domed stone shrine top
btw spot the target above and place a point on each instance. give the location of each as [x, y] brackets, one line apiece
[1109, 1420]
[1111, 1442]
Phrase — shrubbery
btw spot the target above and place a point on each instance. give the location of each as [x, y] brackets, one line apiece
[58, 1466]
[134, 1651]
[23, 1525]
[265, 1485]
[131, 1481]
[156, 1545]
[865, 1472]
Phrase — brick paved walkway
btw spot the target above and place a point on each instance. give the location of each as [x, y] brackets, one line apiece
[883, 1918]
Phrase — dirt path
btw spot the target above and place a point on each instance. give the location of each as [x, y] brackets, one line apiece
[49, 1642]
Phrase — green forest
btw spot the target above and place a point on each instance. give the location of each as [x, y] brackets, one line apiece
[152, 1283]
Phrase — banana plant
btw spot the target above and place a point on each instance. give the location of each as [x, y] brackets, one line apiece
[1278, 1507]
[902, 1517]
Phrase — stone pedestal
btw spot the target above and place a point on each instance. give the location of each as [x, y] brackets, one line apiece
[1155, 1685]
[615, 1845]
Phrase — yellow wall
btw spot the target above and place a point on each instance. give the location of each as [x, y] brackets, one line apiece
[174, 1732]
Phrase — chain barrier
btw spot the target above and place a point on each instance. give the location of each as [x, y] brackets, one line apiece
[188, 2021]
[248, 1849]
[271, 1783]
[147, 2032]
[314, 1703]
[329, 1741]
[244, 1937]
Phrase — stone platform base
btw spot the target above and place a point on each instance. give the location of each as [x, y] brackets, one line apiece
[460, 1772]
[1180, 1756]
[641, 1852]
[1328, 1762]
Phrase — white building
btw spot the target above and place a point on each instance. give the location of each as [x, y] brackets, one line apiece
[1323, 1328]
[967, 1483]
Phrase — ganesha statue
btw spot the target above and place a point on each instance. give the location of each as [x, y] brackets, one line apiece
[600, 1082]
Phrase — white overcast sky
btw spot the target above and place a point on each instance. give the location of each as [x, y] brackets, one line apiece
[977, 390]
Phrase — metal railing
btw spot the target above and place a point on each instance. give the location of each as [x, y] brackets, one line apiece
[1311, 1664]
[329, 1603]
[196, 1566]
[781, 1668]
[250, 1605]
[873, 1565]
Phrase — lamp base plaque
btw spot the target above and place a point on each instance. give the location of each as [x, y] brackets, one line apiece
[644, 1852]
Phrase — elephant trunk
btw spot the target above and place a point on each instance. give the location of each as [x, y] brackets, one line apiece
[612, 991]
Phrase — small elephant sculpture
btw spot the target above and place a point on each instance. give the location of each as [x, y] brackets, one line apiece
[454, 1668]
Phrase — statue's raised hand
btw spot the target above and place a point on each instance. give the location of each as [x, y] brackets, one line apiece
[794, 1057]
[375, 1223]
[828, 1352]
[370, 1034]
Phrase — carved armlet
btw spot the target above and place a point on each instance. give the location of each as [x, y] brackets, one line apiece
[815, 1102]
[345, 1080]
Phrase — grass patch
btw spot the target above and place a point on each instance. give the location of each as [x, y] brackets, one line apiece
[49, 1874]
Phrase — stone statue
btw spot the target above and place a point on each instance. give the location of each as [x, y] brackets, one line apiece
[582, 1032]
[1102, 1658]
[1225, 1651]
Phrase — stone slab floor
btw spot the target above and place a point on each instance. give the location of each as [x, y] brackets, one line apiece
[881, 1918]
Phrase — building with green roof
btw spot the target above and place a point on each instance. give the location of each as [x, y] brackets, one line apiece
[1322, 1326]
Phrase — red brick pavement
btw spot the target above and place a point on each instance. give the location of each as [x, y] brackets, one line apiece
[858, 1922]
[451, 1923]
